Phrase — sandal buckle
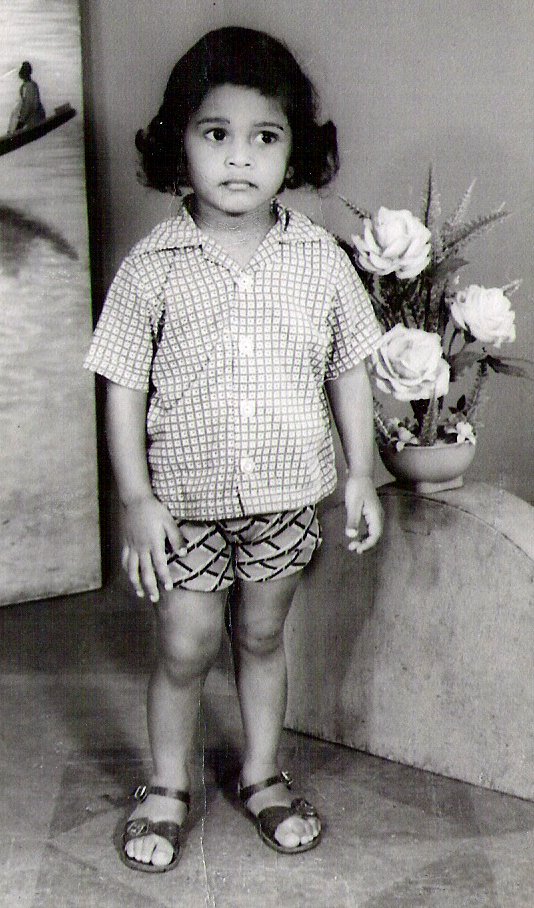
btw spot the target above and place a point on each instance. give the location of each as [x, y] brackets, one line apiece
[304, 808]
[137, 828]
[141, 793]
[287, 778]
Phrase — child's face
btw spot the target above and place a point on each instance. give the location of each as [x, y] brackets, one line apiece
[237, 146]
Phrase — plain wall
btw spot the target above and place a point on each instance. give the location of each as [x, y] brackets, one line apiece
[407, 82]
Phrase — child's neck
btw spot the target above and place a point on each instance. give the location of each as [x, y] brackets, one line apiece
[239, 235]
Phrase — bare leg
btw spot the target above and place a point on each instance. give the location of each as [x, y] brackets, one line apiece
[260, 611]
[189, 636]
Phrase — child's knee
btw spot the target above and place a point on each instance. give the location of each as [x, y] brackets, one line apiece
[259, 638]
[189, 650]
[189, 656]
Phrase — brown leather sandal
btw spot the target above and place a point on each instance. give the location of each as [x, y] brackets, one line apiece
[268, 820]
[140, 827]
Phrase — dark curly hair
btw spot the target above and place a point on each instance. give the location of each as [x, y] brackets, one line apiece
[245, 57]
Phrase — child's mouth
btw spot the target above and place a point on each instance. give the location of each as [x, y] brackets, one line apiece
[238, 185]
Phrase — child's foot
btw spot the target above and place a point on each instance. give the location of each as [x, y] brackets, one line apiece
[286, 823]
[151, 838]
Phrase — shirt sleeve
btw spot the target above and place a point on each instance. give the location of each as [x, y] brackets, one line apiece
[122, 348]
[355, 328]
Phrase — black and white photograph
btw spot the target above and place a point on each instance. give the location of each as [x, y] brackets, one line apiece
[266, 446]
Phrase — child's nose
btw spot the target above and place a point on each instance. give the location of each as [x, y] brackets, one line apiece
[239, 155]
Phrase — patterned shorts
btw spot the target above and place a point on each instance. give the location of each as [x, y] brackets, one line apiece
[264, 547]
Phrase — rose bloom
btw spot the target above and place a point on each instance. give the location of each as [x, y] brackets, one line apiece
[393, 241]
[486, 314]
[408, 364]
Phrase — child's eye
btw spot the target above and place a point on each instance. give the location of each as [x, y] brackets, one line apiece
[265, 137]
[217, 134]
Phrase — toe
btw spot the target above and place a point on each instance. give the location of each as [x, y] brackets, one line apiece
[133, 850]
[150, 850]
[312, 830]
[294, 832]
[162, 854]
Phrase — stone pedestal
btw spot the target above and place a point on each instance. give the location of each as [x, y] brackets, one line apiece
[423, 650]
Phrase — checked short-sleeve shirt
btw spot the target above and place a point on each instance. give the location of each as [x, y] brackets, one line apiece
[235, 361]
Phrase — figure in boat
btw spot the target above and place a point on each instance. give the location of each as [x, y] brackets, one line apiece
[29, 110]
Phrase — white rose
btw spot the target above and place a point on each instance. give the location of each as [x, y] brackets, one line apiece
[408, 364]
[393, 241]
[486, 314]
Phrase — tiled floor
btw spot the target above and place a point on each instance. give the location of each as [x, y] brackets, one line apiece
[74, 743]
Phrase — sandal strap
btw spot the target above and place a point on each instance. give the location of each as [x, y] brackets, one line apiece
[142, 792]
[270, 817]
[247, 791]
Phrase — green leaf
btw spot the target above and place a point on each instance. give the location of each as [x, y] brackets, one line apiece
[507, 367]
[448, 265]
[460, 362]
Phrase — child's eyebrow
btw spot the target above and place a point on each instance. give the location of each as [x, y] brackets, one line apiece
[268, 124]
[226, 122]
[213, 119]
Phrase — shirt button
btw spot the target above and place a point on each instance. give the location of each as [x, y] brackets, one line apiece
[246, 345]
[244, 282]
[247, 407]
[247, 465]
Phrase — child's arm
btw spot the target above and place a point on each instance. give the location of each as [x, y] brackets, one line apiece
[351, 400]
[147, 522]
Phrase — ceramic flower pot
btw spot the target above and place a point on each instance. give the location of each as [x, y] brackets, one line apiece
[429, 469]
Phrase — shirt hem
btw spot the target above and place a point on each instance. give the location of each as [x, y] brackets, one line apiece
[275, 505]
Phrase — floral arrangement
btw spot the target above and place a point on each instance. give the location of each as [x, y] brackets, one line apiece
[435, 332]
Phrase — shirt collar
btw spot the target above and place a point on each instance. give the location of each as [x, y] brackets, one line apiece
[181, 232]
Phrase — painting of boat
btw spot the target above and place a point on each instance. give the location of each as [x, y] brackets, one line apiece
[49, 521]
[22, 136]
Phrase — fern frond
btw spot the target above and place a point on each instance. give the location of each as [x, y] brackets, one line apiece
[473, 229]
[359, 212]
[429, 425]
[477, 397]
[510, 289]
[432, 213]
[459, 214]
[431, 202]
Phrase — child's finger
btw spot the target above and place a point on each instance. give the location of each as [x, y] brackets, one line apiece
[356, 529]
[162, 570]
[366, 539]
[374, 519]
[148, 575]
[360, 546]
[130, 564]
[175, 538]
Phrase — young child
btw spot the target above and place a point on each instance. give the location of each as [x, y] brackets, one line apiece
[233, 324]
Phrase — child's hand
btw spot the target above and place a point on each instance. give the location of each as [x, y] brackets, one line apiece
[147, 525]
[362, 504]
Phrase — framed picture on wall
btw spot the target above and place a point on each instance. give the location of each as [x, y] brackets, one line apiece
[49, 534]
